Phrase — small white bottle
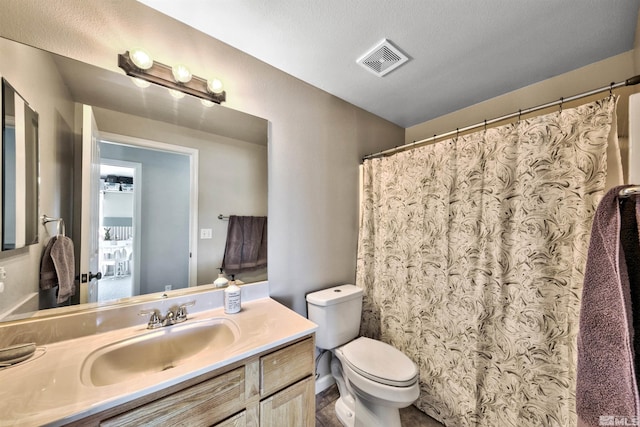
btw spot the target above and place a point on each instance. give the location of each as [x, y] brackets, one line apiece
[221, 281]
[232, 295]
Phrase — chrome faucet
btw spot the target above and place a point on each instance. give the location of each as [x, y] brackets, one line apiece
[154, 320]
[181, 312]
[171, 318]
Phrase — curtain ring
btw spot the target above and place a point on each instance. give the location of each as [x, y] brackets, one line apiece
[457, 133]
[485, 125]
[519, 115]
[561, 102]
[611, 89]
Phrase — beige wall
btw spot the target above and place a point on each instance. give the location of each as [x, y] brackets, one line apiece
[316, 140]
[599, 74]
[36, 78]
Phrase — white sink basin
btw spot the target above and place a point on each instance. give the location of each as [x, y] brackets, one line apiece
[157, 351]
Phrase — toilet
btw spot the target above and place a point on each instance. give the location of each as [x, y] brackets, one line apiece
[374, 379]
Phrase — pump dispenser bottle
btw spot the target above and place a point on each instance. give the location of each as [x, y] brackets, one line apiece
[221, 281]
[232, 295]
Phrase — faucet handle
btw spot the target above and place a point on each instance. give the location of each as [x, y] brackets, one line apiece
[169, 319]
[154, 319]
[181, 312]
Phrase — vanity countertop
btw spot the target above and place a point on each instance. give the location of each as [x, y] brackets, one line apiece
[47, 389]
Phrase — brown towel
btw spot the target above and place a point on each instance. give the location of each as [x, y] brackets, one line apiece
[246, 247]
[606, 384]
[58, 266]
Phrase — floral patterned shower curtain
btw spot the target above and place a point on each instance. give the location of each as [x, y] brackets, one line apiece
[471, 256]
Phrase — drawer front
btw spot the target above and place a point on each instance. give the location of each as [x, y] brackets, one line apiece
[286, 366]
[291, 407]
[238, 420]
[203, 404]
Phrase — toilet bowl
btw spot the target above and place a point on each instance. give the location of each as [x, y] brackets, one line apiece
[374, 378]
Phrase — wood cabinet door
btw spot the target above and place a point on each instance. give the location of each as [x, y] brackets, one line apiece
[294, 406]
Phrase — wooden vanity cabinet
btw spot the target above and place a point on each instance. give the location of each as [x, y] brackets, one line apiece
[289, 374]
[272, 389]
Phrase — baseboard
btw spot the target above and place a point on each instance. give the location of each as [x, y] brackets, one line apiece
[324, 382]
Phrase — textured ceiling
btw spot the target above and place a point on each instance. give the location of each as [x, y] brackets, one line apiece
[461, 51]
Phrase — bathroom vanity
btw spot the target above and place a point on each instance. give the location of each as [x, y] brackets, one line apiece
[275, 388]
[253, 368]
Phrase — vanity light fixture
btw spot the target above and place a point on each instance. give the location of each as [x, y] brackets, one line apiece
[140, 83]
[178, 77]
[181, 73]
[141, 59]
[176, 94]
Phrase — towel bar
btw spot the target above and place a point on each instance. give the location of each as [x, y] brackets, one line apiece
[59, 223]
[629, 191]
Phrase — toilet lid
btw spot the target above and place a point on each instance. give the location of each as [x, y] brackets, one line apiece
[380, 362]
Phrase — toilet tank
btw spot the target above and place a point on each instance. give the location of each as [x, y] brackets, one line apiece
[337, 313]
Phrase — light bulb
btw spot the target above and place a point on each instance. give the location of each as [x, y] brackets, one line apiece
[141, 59]
[214, 86]
[140, 83]
[176, 93]
[181, 73]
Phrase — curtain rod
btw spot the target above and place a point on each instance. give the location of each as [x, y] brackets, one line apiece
[629, 82]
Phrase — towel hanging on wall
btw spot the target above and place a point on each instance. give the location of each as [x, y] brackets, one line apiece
[606, 383]
[57, 267]
[246, 247]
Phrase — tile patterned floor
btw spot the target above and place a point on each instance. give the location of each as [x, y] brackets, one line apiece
[326, 414]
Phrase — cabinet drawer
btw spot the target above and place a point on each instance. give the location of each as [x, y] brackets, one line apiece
[291, 407]
[286, 366]
[238, 420]
[203, 404]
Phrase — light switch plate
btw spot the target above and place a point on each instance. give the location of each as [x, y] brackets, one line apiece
[206, 233]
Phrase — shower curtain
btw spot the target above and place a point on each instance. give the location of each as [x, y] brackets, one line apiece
[471, 255]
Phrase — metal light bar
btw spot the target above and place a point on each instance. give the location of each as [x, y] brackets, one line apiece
[162, 75]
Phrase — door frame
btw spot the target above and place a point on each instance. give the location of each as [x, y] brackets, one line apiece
[192, 153]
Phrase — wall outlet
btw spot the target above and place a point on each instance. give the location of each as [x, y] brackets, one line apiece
[206, 233]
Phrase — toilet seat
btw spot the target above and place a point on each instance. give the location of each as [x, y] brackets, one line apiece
[379, 362]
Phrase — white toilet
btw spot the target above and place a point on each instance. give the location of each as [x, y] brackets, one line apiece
[374, 378]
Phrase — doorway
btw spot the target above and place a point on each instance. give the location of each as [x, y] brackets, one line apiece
[164, 236]
[119, 225]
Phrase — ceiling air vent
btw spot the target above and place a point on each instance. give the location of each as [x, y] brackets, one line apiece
[383, 58]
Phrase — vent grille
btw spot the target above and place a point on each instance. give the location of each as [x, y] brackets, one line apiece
[383, 58]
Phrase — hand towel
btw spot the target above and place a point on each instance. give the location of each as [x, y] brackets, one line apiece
[65, 263]
[246, 247]
[606, 385]
[57, 267]
[48, 276]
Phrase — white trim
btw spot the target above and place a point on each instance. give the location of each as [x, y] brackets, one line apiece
[324, 382]
[117, 139]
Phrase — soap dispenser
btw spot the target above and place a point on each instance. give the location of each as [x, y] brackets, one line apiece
[221, 281]
[232, 296]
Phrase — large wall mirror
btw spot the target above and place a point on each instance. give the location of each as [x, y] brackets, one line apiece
[19, 170]
[140, 129]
